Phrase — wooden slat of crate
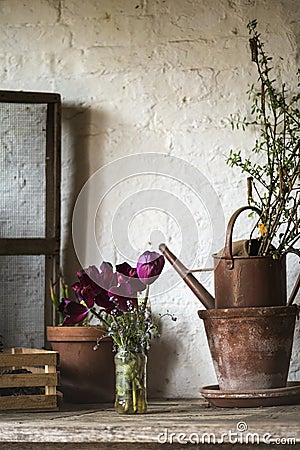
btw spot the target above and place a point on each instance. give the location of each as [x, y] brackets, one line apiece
[29, 402]
[30, 358]
[28, 379]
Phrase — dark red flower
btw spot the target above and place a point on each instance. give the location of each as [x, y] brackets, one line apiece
[89, 276]
[128, 274]
[107, 279]
[93, 286]
[75, 312]
[107, 276]
[85, 294]
[88, 286]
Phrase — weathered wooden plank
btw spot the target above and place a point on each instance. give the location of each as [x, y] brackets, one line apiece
[28, 402]
[50, 388]
[29, 97]
[131, 446]
[15, 350]
[53, 200]
[28, 379]
[29, 246]
[27, 358]
[100, 426]
[136, 446]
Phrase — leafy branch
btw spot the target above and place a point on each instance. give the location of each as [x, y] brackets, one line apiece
[275, 178]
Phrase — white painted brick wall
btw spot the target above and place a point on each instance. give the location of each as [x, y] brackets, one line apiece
[150, 76]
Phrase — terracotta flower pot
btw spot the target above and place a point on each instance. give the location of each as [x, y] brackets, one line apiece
[250, 347]
[86, 375]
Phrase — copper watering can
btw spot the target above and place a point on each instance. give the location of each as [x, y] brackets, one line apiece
[240, 280]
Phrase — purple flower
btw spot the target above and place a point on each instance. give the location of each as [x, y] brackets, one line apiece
[114, 292]
[149, 266]
[128, 274]
[75, 312]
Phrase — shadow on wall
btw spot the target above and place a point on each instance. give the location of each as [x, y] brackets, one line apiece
[81, 145]
[297, 37]
[294, 24]
[160, 364]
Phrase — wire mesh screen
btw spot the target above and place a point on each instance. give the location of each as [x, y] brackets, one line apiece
[22, 293]
[22, 170]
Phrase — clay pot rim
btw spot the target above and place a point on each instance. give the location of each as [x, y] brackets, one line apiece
[255, 312]
[80, 333]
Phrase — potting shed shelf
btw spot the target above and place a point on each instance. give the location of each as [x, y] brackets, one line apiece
[181, 422]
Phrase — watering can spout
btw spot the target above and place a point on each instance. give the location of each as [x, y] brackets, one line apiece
[201, 293]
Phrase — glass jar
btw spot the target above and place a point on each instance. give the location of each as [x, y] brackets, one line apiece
[131, 394]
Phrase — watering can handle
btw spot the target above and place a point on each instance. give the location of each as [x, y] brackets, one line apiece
[229, 231]
[297, 284]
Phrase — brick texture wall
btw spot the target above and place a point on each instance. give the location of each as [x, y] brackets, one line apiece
[161, 76]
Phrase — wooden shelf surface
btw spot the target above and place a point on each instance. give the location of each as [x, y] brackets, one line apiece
[190, 420]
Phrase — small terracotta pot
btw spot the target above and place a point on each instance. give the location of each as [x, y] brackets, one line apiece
[250, 347]
[86, 375]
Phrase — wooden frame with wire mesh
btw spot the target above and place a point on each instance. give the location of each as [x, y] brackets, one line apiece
[30, 152]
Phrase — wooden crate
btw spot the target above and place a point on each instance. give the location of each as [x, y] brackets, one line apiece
[42, 365]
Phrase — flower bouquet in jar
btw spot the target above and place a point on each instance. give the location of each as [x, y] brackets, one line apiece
[118, 301]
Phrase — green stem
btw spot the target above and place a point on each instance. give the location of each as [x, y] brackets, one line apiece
[134, 397]
[146, 296]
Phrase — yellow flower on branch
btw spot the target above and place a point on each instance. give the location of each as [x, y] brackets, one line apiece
[262, 229]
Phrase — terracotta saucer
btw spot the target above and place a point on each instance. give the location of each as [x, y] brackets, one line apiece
[289, 395]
